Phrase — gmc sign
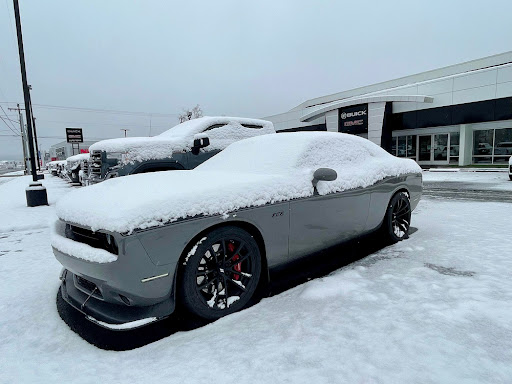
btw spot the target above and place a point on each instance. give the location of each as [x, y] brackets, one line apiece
[354, 119]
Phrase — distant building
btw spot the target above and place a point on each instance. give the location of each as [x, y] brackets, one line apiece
[461, 114]
[63, 150]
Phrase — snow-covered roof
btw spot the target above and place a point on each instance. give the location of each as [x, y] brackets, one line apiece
[251, 172]
[79, 157]
[181, 137]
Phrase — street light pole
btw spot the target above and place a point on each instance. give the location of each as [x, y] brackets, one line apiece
[36, 193]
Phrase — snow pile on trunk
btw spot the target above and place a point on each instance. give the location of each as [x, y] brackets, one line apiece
[181, 138]
[252, 172]
[80, 250]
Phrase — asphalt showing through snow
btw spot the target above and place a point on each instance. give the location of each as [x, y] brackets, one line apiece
[466, 191]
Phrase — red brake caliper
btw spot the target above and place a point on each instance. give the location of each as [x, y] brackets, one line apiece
[236, 267]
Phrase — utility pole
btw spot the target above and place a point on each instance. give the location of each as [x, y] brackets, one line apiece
[35, 138]
[35, 193]
[23, 138]
[125, 130]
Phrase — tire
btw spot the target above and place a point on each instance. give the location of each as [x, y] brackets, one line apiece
[213, 284]
[398, 218]
[510, 177]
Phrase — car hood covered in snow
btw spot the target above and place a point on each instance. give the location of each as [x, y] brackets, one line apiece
[120, 205]
[252, 172]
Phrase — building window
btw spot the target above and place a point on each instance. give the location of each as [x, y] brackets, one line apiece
[411, 147]
[454, 147]
[502, 145]
[482, 146]
[404, 146]
[492, 146]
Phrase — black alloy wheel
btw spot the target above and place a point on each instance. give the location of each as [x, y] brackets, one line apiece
[220, 273]
[398, 218]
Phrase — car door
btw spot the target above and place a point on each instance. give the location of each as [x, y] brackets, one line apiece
[319, 222]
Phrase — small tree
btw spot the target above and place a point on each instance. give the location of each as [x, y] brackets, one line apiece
[189, 114]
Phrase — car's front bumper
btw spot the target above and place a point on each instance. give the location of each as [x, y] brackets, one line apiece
[131, 288]
[108, 315]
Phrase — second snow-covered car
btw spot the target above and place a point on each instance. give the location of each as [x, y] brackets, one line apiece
[209, 236]
[184, 146]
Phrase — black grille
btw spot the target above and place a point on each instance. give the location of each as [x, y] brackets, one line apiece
[95, 166]
[94, 239]
[85, 167]
[87, 286]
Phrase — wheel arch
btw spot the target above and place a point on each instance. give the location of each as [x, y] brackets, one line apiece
[249, 228]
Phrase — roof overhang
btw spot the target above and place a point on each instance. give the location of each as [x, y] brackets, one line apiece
[312, 113]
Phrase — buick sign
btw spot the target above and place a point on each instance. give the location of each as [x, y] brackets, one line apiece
[354, 119]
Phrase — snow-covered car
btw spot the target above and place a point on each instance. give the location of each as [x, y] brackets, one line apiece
[208, 237]
[56, 167]
[52, 167]
[74, 166]
[184, 146]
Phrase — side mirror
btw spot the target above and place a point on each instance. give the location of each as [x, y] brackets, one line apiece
[324, 174]
[200, 143]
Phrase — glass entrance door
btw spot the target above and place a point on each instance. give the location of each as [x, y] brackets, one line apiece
[424, 145]
[434, 148]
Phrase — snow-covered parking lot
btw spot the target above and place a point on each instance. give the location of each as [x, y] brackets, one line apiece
[436, 308]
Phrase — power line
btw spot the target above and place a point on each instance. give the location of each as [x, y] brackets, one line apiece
[11, 127]
[100, 123]
[96, 110]
[13, 131]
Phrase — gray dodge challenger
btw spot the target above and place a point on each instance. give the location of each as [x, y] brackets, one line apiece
[206, 238]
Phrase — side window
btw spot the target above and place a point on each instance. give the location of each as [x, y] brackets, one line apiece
[222, 135]
[252, 126]
[214, 126]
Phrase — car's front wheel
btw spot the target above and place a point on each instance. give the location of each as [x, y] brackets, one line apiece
[398, 218]
[220, 273]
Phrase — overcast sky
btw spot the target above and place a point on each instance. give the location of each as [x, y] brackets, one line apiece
[230, 57]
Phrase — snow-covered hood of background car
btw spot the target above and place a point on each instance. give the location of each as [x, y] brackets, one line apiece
[181, 138]
[142, 148]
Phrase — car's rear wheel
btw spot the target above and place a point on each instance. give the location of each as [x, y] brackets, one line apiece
[220, 273]
[398, 218]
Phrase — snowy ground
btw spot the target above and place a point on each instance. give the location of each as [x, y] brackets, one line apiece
[497, 181]
[436, 308]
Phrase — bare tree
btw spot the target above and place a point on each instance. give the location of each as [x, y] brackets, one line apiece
[189, 114]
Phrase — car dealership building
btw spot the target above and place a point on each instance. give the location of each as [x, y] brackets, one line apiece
[461, 114]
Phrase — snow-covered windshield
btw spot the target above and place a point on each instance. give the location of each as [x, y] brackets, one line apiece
[195, 126]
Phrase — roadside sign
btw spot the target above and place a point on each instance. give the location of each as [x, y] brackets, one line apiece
[74, 135]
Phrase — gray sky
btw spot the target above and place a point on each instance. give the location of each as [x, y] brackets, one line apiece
[233, 58]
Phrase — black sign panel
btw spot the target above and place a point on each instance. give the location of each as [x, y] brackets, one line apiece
[354, 119]
[74, 135]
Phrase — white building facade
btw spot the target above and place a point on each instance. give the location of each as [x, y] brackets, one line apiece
[63, 150]
[460, 115]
